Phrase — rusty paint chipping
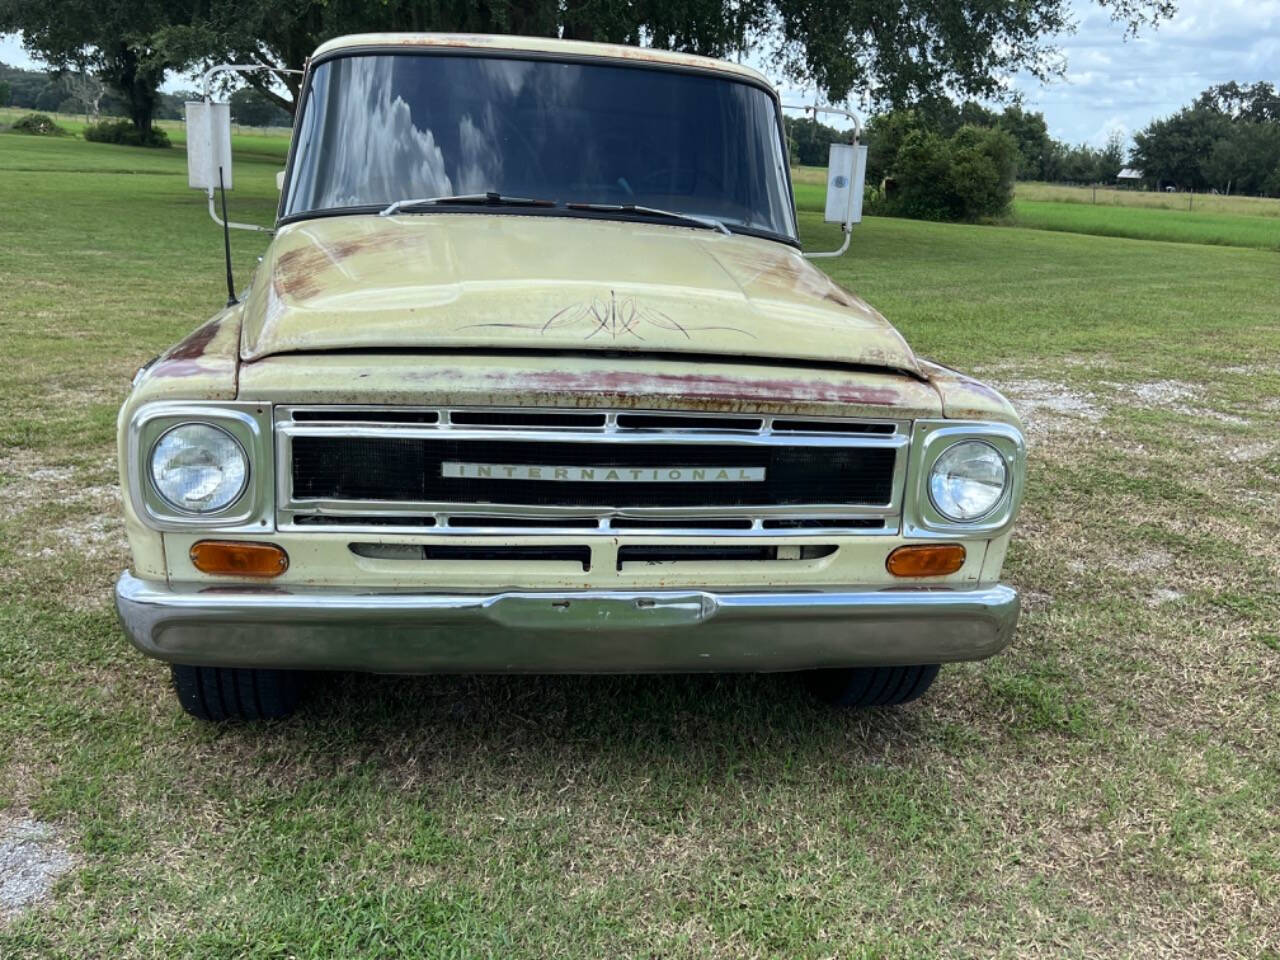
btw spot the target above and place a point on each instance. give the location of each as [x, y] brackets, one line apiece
[549, 381]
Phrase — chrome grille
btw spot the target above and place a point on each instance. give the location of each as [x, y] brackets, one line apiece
[358, 468]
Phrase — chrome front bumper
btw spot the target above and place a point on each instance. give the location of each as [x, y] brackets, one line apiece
[564, 632]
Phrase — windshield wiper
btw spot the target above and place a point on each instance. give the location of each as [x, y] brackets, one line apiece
[709, 222]
[492, 199]
[489, 199]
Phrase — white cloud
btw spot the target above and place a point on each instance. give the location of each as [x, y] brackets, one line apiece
[1113, 83]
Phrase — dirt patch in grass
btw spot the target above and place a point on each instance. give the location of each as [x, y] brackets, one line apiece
[90, 537]
[1048, 407]
[1174, 396]
[28, 481]
[32, 858]
[1051, 408]
[1160, 393]
[64, 527]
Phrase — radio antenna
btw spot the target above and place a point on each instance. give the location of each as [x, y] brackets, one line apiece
[226, 243]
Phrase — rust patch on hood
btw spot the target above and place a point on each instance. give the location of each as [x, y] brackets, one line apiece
[586, 383]
[964, 398]
[298, 270]
[787, 270]
[700, 389]
[195, 344]
[210, 349]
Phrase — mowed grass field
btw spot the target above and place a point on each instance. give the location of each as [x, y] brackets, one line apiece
[1106, 787]
[1261, 230]
[1151, 199]
[1150, 215]
[1174, 217]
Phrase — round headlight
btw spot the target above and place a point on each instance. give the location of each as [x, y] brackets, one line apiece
[198, 468]
[968, 480]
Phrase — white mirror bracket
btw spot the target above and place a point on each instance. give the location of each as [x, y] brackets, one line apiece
[213, 140]
[848, 235]
[852, 212]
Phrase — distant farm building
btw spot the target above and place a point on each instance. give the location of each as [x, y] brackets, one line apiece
[1129, 177]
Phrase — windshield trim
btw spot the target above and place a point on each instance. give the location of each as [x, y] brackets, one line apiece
[392, 49]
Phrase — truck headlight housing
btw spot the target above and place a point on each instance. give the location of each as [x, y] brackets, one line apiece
[968, 481]
[198, 468]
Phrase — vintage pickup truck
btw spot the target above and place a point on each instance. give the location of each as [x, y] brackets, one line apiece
[534, 377]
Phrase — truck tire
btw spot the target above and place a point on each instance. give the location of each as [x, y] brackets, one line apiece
[233, 693]
[872, 686]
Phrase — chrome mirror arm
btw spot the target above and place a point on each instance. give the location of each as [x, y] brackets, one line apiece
[847, 227]
[206, 85]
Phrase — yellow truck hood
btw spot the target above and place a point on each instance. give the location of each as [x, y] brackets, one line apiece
[472, 281]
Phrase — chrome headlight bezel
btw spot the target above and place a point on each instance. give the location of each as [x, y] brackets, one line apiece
[248, 425]
[932, 439]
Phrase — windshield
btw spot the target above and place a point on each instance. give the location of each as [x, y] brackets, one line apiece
[381, 128]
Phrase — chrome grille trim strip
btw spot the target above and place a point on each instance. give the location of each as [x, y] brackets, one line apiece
[761, 424]
[758, 429]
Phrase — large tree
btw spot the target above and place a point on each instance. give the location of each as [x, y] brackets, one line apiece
[1031, 133]
[1229, 140]
[1245, 160]
[125, 42]
[1172, 151]
[896, 51]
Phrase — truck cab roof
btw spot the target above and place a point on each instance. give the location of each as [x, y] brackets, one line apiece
[535, 46]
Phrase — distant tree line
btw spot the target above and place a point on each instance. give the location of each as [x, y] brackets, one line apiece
[939, 160]
[69, 92]
[1227, 140]
[809, 140]
[1039, 156]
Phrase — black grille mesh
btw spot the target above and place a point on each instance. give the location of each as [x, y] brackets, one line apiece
[409, 469]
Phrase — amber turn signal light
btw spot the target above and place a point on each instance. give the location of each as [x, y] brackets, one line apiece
[926, 560]
[235, 558]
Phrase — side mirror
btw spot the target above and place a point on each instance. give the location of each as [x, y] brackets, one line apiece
[208, 145]
[846, 176]
[279, 181]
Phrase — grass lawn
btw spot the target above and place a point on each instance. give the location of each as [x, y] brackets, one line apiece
[1225, 221]
[1151, 199]
[1107, 787]
[1151, 223]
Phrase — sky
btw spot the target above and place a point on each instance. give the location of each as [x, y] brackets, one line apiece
[1111, 83]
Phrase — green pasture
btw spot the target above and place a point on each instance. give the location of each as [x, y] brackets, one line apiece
[1139, 215]
[1178, 225]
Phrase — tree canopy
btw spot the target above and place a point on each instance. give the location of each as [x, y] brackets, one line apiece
[1253, 103]
[128, 43]
[895, 51]
[1228, 140]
